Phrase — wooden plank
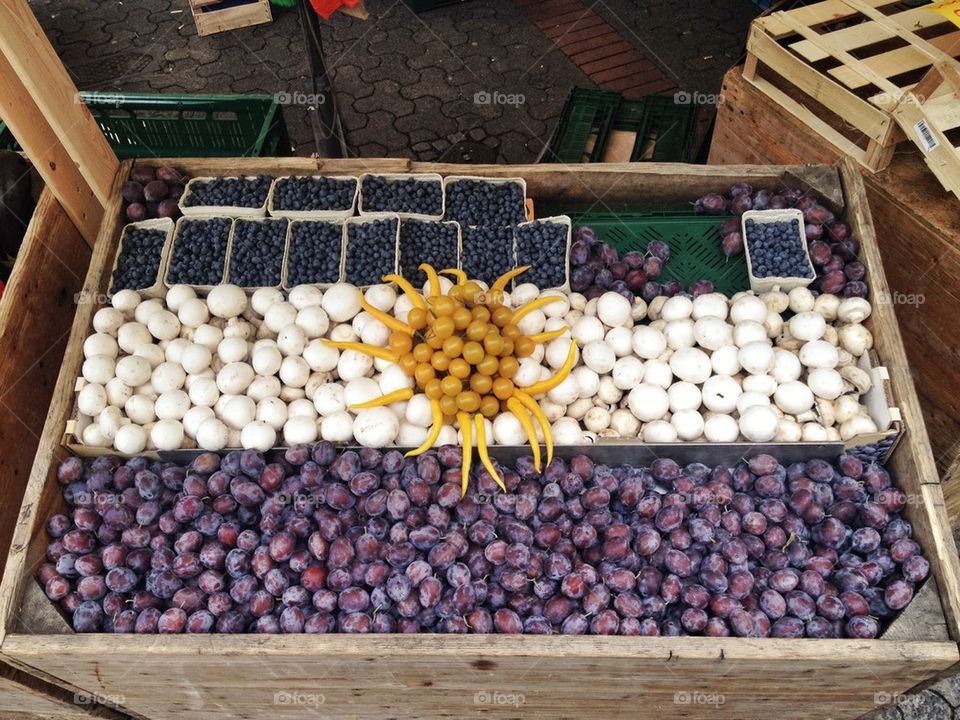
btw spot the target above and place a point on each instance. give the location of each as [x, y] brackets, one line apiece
[901, 60]
[49, 156]
[453, 676]
[944, 159]
[816, 14]
[921, 619]
[35, 317]
[45, 80]
[894, 26]
[210, 20]
[30, 698]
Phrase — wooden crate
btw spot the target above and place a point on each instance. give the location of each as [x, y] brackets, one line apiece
[856, 58]
[441, 676]
[230, 15]
[918, 233]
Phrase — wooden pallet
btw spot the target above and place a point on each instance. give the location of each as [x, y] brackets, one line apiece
[928, 114]
[442, 676]
[214, 16]
[858, 58]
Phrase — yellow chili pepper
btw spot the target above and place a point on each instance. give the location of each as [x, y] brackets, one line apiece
[432, 278]
[501, 282]
[545, 337]
[415, 297]
[388, 399]
[561, 374]
[389, 320]
[531, 306]
[520, 412]
[434, 431]
[378, 352]
[482, 450]
[537, 412]
[466, 447]
[460, 275]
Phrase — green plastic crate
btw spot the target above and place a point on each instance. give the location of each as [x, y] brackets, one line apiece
[142, 125]
[664, 128]
[585, 112]
[694, 242]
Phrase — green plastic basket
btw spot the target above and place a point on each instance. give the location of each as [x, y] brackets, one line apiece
[694, 242]
[585, 112]
[141, 125]
[664, 128]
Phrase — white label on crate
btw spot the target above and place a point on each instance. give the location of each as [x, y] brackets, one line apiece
[930, 143]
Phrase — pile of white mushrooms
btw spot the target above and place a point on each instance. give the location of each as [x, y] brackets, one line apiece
[232, 370]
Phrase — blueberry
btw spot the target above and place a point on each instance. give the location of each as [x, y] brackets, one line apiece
[230, 192]
[312, 194]
[139, 259]
[543, 246]
[487, 252]
[477, 202]
[426, 242]
[371, 251]
[199, 252]
[256, 255]
[314, 254]
[409, 195]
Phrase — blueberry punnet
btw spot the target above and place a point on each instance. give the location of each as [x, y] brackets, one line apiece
[199, 252]
[543, 246]
[310, 194]
[487, 252]
[777, 249]
[426, 242]
[474, 202]
[410, 195]
[314, 253]
[256, 255]
[371, 251]
[139, 260]
[230, 192]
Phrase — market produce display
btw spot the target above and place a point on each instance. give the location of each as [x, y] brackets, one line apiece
[311, 540]
[138, 262]
[306, 194]
[831, 247]
[597, 267]
[414, 195]
[482, 202]
[777, 249]
[226, 192]
[151, 194]
[314, 253]
[256, 252]
[199, 252]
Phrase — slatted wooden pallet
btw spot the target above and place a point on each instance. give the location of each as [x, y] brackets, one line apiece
[213, 16]
[860, 59]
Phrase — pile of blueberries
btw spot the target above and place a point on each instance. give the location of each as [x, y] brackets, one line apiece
[199, 252]
[475, 202]
[139, 261]
[314, 255]
[256, 253]
[316, 540]
[409, 195]
[230, 192]
[543, 246]
[312, 194]
[371, 251]
[777, 249]
[487, 252]
[426, 242]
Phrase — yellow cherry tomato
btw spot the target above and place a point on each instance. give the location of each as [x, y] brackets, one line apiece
[417, 318]
[473, 352]
[480, 312]
[422, 353]
[459, 368]
[524, 346]
[435, 342]
[443, 327]
[488, 365]
[451, 385]
[407, 363]
[489, 406]
[424, 374]
[493, 343]
[448, 405]
[468, 401]
[476, 330]
[501, 316]
[508, 367]
[502, 388]
[453, 346]
[401, 343]
[511, 332]
[507, 348]
[462, 318]
[481, 383]
[440, 361]
[433, 389]
[444, 306]
[472, 291]
[456, 292]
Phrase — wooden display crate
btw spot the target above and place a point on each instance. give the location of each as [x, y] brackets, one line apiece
[214, 16]
[433, 676]
[918, 233]
[857, 58]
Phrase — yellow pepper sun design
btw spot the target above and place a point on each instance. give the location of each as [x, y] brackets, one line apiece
[461, 349]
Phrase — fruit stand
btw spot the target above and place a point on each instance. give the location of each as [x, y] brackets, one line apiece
[427, 674]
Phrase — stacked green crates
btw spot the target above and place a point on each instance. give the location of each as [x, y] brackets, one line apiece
[586, 113]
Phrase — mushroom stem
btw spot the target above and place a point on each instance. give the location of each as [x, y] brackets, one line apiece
[388, 399]
[434, 431]
[466, 449]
